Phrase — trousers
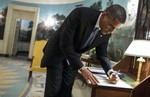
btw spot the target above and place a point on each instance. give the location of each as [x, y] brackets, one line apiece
[59, 80]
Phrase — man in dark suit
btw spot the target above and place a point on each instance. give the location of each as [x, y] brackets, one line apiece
[62, 51]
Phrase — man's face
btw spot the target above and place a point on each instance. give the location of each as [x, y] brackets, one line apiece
[108, 24]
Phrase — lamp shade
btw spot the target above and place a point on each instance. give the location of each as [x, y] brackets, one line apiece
[139, 48]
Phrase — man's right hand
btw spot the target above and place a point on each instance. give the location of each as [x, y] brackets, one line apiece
[113, 78]
[88, 76]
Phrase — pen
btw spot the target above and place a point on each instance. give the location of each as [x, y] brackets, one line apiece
[121, 75]
[116, 72]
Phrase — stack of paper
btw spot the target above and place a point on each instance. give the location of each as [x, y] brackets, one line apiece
[103, 79]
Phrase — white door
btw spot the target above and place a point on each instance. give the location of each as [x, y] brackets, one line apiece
[15, 13]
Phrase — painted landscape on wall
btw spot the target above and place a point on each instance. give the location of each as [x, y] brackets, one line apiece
[52, 16]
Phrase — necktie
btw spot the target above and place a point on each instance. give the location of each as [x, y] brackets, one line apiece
[91, 38]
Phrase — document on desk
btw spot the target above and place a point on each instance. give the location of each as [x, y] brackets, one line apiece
[103, 79]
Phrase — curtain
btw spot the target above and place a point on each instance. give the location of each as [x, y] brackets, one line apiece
[142, 27]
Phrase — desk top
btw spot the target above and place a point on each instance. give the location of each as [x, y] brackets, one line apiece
[103, 79]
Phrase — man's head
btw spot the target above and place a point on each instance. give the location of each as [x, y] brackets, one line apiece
[112, 18]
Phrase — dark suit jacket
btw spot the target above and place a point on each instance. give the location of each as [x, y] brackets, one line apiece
[67, 41]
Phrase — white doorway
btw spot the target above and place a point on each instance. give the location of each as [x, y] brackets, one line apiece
[22, 39]
[16, 15]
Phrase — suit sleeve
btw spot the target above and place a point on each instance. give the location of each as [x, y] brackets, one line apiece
[101, 52]
[67, 39]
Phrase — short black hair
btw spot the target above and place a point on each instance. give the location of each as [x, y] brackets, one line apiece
[117, 11]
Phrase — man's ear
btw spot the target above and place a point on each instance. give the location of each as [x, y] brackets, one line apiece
[104, 13]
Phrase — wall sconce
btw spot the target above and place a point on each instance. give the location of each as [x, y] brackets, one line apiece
[139, 48]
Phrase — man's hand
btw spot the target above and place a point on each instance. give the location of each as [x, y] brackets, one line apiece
[113, 78]
[88, 76]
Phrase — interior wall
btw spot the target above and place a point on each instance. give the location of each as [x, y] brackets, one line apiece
[52, 14]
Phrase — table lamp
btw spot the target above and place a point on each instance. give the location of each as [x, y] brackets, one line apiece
[139, 48]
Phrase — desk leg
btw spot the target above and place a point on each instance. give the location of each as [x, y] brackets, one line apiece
[93, 94]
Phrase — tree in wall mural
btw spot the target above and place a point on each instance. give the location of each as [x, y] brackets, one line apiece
[97, 5]
[109, 3]
[118, 43]
[44, 32]
[119, 40]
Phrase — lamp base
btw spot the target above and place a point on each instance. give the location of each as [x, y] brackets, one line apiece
[141, 60]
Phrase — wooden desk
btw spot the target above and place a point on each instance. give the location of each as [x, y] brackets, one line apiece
[126, 66]
[106, 91]
[102, 91]
[141, 90]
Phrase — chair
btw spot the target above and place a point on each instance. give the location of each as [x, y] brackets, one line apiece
[36, 59]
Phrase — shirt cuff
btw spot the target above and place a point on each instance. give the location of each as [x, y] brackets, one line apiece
[110, 72]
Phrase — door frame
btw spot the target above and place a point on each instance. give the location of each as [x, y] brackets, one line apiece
[10, 27]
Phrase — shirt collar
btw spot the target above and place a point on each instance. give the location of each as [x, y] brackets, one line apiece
[97, 23]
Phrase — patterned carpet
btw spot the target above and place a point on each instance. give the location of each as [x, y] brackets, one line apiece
[14, 76]
[13, 79]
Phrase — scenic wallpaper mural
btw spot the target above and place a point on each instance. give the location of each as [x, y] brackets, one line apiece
[52, 16]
